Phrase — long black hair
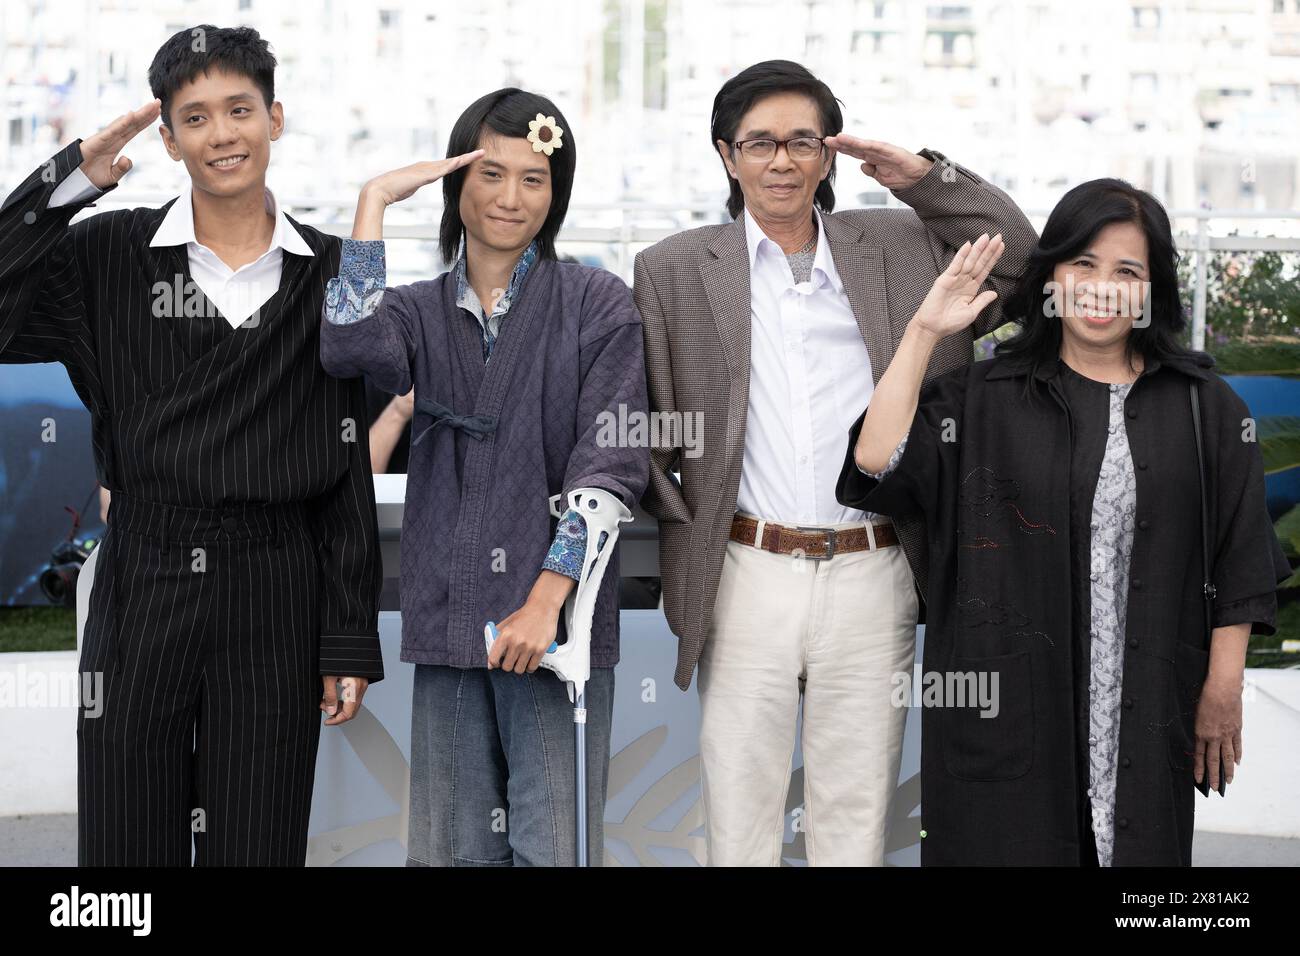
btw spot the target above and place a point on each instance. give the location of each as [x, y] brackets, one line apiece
[1082, 213]
[754, 83]
[507, 112]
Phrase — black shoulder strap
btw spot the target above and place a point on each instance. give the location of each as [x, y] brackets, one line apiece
[1208, 585]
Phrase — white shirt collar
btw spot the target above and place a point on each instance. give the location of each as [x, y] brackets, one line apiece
[756, 240]
[177, 227]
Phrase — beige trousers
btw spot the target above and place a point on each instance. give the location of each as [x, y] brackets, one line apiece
[842, 628]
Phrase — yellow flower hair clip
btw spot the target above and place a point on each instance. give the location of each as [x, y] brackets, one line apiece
[544, 134]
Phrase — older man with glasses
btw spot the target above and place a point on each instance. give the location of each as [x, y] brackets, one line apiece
[773, 330]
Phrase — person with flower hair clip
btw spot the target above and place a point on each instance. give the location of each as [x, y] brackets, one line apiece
[515, 357]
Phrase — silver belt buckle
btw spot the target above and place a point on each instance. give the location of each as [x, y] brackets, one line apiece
[830, 542]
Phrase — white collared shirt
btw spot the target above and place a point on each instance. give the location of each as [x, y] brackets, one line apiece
[238, 293]
[809, 380]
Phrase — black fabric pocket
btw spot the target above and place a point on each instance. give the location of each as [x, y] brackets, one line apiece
[976, 747]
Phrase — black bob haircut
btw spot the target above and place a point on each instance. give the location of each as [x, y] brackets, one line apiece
[199, 49]
[507, 112]
[739, 94]
[1082, 213]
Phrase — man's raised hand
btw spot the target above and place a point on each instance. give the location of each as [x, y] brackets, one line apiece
[99, 154]
[891, 166]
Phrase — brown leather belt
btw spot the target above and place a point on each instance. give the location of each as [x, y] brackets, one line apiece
[816, 543]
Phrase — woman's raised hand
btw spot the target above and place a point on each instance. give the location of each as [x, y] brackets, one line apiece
[955, 299]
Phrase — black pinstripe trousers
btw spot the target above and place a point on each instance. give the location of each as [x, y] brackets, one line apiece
[203, 623]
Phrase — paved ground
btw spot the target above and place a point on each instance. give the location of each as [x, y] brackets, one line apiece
[47, 840]
[52, 841]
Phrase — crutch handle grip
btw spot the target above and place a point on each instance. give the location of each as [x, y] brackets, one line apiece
[490, 635]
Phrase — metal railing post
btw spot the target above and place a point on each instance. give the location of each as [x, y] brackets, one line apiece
[1202, 263]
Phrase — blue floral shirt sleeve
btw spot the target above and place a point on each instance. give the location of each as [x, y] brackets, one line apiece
[359, 288]
[569, 547]
[890, 465]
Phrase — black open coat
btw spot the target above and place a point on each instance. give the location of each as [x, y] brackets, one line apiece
[989, 472]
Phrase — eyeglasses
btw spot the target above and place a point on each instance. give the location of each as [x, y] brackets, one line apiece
[761, 150]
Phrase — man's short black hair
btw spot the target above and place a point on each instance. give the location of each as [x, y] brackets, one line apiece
[742, 91]
[507, 112]
[199, 49]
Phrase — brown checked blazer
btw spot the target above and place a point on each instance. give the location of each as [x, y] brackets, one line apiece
[692, 290]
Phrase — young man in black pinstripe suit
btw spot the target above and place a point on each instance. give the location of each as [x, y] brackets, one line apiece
[237, 585]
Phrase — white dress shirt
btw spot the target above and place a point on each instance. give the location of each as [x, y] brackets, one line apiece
[809, 380]
[237, 293]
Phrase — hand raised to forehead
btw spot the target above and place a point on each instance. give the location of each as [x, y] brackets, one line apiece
[403, 183]
[99, 153]
[891, 166]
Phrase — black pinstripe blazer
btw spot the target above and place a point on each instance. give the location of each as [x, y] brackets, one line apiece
[692, 290]
[187, 410]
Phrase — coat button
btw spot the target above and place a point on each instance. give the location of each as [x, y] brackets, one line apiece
[1132, 413]
[1128, 703]
[229, 523]
[1122, 823]
[1142, 465]
[1124, 761]
[1144, 524]
[1133, 643]
[1137, 584]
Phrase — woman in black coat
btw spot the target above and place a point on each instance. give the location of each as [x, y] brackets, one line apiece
[1060, 487]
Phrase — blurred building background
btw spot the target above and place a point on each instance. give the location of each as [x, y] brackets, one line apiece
[1195, 100]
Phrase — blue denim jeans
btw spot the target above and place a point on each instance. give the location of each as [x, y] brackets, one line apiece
[492, 779]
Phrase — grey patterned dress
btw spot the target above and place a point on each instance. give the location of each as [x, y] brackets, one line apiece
[1110, 545]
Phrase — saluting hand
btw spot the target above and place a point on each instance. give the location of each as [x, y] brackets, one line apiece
[384, 190]
[403, 183]
[891, 166]
[99, 154]
[955, 299]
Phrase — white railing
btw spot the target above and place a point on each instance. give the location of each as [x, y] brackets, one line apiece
[334, 216]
